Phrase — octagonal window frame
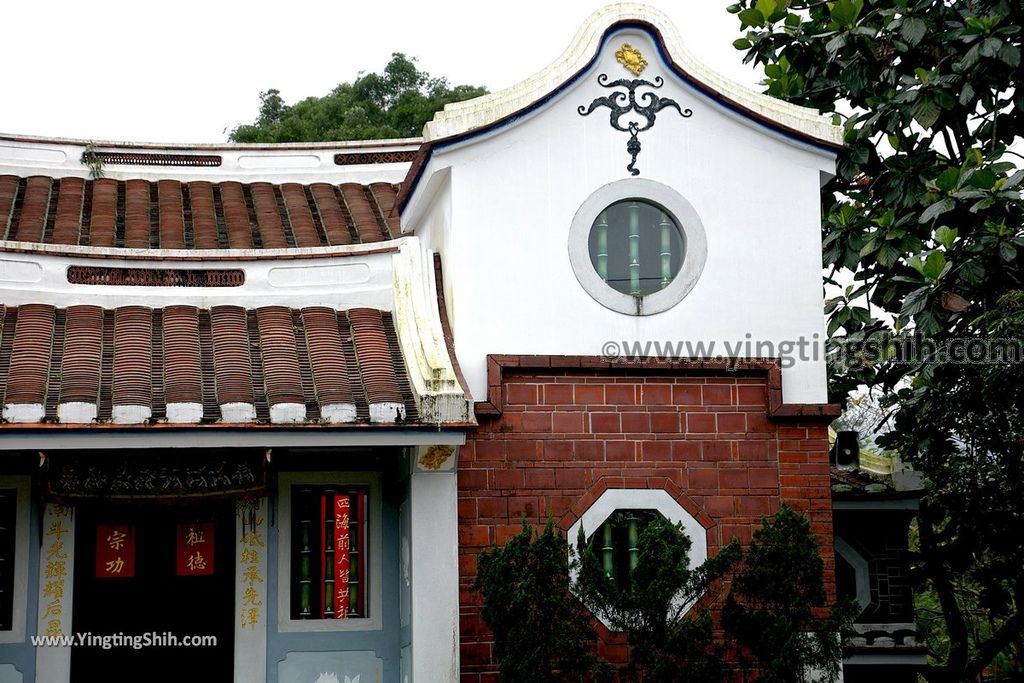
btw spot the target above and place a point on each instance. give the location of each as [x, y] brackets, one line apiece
[659, 500]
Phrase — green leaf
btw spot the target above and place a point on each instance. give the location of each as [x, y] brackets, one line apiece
[1010, 55]
[1014, 180]
[887, 255]
[766, 7]
[741, 44]
[845, 12]
[948, 179]
[913, 30]
[926, 112]
[990, 47]
[836, 44]
[1007, 252]
[946, 236]
[772, 71]
[751, 17]
[983, 179]
[833, 324]
[916, 301]
[936, 210]
[934, 264]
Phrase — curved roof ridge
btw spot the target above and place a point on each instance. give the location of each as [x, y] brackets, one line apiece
[186, 146]
[462, 117]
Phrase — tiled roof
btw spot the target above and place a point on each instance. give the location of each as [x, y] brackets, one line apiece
[858, 484]
[169, 214]
[182, 364]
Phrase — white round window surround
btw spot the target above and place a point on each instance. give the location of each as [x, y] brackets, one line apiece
[648, 192]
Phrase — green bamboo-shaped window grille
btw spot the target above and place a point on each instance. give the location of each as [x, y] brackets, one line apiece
[617, 543]
[636, 247]
[314, 548]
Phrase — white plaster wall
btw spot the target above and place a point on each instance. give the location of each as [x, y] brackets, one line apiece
[514, 194]
[297, 162]
[340, 282]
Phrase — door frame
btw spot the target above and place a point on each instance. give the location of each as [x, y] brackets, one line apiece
[53, 664]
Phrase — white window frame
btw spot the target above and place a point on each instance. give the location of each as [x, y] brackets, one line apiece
[861, 571]
[285, 482]
[682, 212]
[22, 513]
[658, 500]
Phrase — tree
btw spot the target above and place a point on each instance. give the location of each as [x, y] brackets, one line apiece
[771, 608]
[541, 633]
[924, 218]
[668, 640]
[394, 104]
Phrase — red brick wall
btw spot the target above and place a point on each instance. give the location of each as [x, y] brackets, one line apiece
[565, 436]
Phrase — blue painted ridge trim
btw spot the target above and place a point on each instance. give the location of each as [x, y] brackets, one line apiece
[666, 59]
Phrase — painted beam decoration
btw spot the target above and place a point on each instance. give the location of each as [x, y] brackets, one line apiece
[194, 555]
[115, 551]
[621, 103]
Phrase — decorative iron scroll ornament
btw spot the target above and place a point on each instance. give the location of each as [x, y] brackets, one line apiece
[622, 103]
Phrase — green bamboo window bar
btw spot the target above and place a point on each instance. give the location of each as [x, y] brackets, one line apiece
[616, 543]
[636, 247]
[329, 562]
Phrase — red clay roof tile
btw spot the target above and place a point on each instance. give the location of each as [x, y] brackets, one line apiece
[133, 344]
[30, 354]
[83, 349]
[69, 211]
[167, 214]
[183, 379]
[152, 357]
[374, 355]
[280, 362]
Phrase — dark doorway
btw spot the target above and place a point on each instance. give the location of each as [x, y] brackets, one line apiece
[156, 600]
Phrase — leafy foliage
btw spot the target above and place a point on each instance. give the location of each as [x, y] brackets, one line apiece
[925, 218]
[667, 643]
[394, 104]
[541, 633]
[771, 608]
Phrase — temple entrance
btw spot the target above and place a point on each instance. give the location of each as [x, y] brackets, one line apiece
[145, 575]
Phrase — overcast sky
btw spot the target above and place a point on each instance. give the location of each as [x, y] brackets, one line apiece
[186, 70]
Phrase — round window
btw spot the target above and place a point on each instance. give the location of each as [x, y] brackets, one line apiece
[636, 247]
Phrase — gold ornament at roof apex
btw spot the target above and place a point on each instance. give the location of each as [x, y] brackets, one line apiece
[630, 57]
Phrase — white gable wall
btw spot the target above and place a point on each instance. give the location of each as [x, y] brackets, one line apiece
[515, 190]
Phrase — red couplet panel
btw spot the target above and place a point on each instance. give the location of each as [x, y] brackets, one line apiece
[195, 549]
[115, 551]
[342, 508]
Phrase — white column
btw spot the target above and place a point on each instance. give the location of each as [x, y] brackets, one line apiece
[251, 591]
[433, 508]
[56, 579]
